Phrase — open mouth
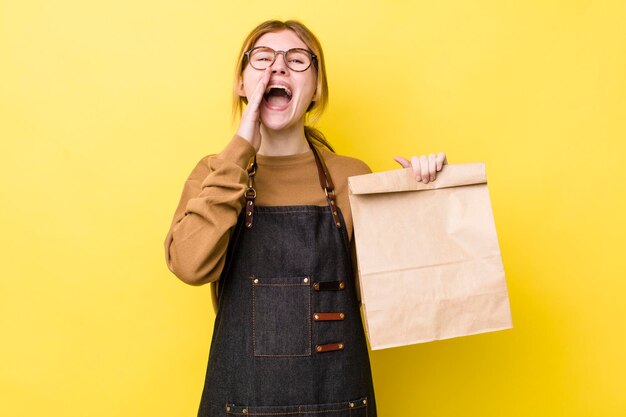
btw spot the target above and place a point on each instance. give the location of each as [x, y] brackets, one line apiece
[277, 96]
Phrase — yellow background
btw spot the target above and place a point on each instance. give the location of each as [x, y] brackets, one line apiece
[107, 106]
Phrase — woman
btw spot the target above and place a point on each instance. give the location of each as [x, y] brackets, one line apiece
[268, 218]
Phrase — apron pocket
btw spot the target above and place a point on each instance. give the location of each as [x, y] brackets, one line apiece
[353, 408]
[281, 316]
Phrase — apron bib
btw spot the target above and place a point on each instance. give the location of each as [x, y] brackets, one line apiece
[288, 338]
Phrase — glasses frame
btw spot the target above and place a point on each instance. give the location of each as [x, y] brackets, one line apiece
[284, 53]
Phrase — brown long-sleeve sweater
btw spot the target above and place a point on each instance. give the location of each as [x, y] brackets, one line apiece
[212, 198]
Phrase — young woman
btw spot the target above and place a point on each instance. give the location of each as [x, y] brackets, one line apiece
[267, 222]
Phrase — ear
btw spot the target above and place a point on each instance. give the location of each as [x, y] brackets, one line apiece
[314, 99]
[240, 90]
[316, 95]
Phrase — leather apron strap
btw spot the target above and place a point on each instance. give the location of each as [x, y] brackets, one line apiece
[326, 183]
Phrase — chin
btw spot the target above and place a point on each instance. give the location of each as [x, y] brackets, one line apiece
[277, 123]
[277, 128]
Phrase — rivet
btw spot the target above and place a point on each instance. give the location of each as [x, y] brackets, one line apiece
[332, 202]
[351, 404]
[248, 225]
[249, 213]
[338, 224]
[245, 411]
[318, 348]
[256, 280]
[227, 408]
[316, 316]
[316, 285]
[249, 203]
[340, 346]
[364, 401]
[342, 315]
[342, 285]
[306, 280]
[335, 213]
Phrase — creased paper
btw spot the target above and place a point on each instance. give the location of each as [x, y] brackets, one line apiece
[428, 256]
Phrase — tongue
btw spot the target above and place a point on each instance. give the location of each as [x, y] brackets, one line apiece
[277, 100]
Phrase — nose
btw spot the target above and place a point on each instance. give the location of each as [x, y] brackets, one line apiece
[279, 65]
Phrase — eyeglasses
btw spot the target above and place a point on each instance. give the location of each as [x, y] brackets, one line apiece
[297, 59]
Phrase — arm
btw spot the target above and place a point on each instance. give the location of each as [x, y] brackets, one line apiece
[195, 247]
[212, 198]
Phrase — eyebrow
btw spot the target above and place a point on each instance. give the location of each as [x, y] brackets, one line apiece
[295, 47]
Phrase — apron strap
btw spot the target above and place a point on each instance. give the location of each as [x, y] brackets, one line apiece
[326, 183]
[250, 194]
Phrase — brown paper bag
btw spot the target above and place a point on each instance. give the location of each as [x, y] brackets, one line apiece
[428, 257]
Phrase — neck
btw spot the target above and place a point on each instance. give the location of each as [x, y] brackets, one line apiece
[290, 141]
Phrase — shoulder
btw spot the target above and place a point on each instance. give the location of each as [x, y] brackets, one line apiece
[344, 166]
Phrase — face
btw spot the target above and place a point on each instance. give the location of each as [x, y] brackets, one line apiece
[283, 113]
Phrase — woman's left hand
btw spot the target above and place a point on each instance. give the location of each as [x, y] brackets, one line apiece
[425, 168]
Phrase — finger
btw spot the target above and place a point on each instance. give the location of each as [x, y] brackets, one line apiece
[259, 91]
[402, 161]
[262, 85]
[417, 171]
[441, 159]
[424, 167]
[432, 166]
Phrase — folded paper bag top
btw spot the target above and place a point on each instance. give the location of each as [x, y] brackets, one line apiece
[403, 179]
[428, 256]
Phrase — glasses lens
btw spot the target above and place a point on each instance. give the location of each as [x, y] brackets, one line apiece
[298, 59]
[261, 58]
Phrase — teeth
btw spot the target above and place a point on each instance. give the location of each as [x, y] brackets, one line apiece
[269, 87]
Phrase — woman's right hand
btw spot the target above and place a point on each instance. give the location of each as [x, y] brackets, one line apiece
[250, 124]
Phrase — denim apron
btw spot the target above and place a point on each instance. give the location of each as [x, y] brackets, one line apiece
[288, 338]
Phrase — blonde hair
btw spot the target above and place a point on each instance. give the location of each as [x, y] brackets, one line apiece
[316, 108]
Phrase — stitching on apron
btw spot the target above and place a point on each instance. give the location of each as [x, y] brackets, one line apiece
[253, 328]
[300, 412]
[308, 284]
[293, 211]
[280, 285]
